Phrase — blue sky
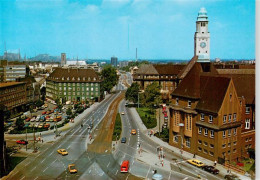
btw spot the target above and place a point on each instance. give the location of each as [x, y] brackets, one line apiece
[160, 29]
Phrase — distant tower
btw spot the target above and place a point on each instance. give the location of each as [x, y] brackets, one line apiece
[114, 61]
[202, 37]
[63, 59]
[136, 54]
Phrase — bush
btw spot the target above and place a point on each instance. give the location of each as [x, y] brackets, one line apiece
[147, 117]
[117, 128]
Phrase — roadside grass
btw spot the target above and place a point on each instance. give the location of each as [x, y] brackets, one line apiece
[12, 161]
[147, 116]
[248, 164]
[164, 135]
[117, 128]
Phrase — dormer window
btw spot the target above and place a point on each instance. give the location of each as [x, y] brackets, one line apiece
[78, 78]
[94, 79]
[83, 78]
[68, 78]
[189, 103]
[73, 78]
[202, 117]
[177, 101]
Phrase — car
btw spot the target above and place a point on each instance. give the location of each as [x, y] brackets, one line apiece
[63, 152]
[40, 125]
[47, 120]
[36, 125]
[28, 119]
[45, 105]
[123, 140]
[133, 131]
[123, 113]
[46, 125]
[33, 119]
[44, 112]
[196, 162]
[22, 142]
[72, 168]
[231, 177]
[210, 169]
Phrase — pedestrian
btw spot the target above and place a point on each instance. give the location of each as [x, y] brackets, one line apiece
[42, 140]
[194, 155]
[215, 163]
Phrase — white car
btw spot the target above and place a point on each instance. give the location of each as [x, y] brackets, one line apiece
[36, 125]
[33, 119]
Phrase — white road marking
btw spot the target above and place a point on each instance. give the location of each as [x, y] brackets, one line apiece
[108, 164]
[43, 160]
[116, 172]
[45, 169]
[22, 178]
[36, 178]
[170, 175]
[89, 171]
[54, 161]
[68, 147]
[33, 168]
[185, 178]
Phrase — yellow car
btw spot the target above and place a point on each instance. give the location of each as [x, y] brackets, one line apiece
[133, 131]
[195, 162]
[63, 152]
[72, 168]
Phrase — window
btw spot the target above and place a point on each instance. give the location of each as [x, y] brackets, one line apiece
[235, 143]
[230, 97]
[246, 139]
[205, 151]
[228, 152]
[203, 24]
[211, 146]
[176, 138]
[235, 131]
[224, 119]
[247, 110]
[229, 117]
[189, 103]
[199, 149]
[205, 144]
[223, 145]
[250, 139]
[199, 141]
[234, 117]
[229, 132]
[250, 145]
[200, 130]
[188, 142]
[234, 150]
[177, 101]
[202, 117]
[224, 154]
[247, 124]
[224, 134]
[211, 153]
[212, 133]
[229, 144]
[210, 118]
[206, 132]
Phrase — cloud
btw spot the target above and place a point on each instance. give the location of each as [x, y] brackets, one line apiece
[114, 3]
[85, 12]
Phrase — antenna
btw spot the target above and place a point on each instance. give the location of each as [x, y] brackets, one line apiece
[136, 54]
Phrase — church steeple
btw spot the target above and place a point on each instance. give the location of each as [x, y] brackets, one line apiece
[202, 37]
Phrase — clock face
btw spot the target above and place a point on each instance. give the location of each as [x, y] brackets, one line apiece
[202, 44]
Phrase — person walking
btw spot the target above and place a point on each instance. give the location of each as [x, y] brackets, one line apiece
[215, 163]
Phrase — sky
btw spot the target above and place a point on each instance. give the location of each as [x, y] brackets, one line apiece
[100, 29]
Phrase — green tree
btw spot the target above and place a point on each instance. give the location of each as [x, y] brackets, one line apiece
[39, 103]
[132, 93]
[69, 112]
[152, 95]
[19, 123]
[109, 77]
[43, 93]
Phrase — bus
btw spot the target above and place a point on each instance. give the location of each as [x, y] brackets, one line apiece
[125, 166]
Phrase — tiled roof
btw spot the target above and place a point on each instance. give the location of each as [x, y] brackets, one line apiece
[6, 84]
[168, 69]
[236, 71]
[74, 75]
[245, 86]
[147, 69]
[188, 67]
[212, 92]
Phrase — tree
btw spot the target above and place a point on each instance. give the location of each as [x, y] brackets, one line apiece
[39, 103]
[69, 112]
[109, 77]
[43, 93]
[19, 123]
[251, 153]
[152, 95]
[132, 93]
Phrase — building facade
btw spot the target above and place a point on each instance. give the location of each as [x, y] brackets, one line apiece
[11, 72]
[165, 75]
[74, 85]
[13, 96]
[114, 61]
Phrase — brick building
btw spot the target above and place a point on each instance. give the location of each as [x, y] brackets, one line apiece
[164, 74]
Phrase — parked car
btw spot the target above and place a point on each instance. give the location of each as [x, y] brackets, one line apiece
[63, 152]
[36, 125]
[72, 168]
[123, 113]
[33, 119]
[44, 112]
[123, 140]
[46, 125]
[28, 119]
[22, 142]
[195, 162]
[40, 125]
[210, 169]
[231, 177]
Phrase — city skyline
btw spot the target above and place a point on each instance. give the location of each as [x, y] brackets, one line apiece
[101, 29]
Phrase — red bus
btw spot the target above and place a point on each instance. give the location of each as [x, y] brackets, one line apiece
[125, 166]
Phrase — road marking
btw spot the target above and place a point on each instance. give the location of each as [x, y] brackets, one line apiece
[36, 178]
[68, 147]
[170, 175]
[148, 172]
[33, 168]
[27, 163]
[116, 172]
[127, 176]
[185, 178]
[108, 164]
[17, 172]
[45, 169]
[43, 160]
[54, 161]
[89, 171]
[22, 177]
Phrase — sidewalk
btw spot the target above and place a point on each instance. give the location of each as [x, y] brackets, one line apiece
[186, 155]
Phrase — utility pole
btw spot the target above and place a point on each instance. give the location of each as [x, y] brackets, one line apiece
[26, 138]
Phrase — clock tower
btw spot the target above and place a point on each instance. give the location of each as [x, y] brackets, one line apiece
[202, 37]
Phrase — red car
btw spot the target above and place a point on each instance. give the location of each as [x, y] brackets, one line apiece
[28, 119]
[44, 112]
[22, 142]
